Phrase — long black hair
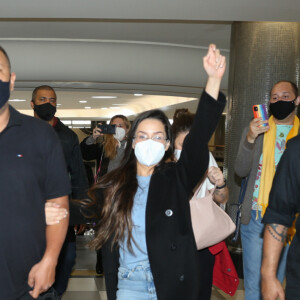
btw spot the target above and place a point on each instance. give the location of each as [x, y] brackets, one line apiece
[114, 193]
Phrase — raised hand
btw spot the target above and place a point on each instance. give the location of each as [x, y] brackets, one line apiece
[97, 132]
[214, 63]
[255, 129]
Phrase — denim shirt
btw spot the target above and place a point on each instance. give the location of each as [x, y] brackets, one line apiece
[138, 215]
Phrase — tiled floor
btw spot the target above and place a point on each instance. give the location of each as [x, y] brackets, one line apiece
[84, 283]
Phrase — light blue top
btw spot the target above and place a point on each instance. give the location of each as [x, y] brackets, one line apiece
[138, 215]
[282, 132]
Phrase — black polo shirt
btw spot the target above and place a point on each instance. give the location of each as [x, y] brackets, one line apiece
[32, 170]
[284, 204]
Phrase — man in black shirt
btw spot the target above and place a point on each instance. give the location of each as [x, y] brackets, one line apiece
[32, 172]
[284, 204]
[44, 105]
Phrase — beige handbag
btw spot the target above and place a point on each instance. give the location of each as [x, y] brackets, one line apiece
[210, 222]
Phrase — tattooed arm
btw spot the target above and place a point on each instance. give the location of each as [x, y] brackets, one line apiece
[274, 238]
[221, 195]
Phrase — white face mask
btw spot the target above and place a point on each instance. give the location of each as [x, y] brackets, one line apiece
[149, 153]
[120, 133]
[177, 153]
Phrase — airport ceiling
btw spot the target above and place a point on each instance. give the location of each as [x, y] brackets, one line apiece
[93, 48]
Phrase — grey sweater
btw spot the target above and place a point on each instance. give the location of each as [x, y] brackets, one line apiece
[246, 164]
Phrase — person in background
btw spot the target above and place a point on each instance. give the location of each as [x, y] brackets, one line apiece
[108, 155]
[144, 228]
[44, 105]
[182, 124]
[33, 171]
[260, 150]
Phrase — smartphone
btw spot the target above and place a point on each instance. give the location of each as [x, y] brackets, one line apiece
[107, 129]
[260, 111]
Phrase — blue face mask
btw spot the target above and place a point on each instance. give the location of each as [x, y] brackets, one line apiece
[4, 92]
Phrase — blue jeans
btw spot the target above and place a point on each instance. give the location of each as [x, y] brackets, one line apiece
[252, 244]
[136, 283]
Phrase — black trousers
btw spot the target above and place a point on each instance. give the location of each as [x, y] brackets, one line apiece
[49, 295]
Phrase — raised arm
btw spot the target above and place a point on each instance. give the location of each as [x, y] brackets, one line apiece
[193, 161]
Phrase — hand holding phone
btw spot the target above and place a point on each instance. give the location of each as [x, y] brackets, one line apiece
[260, 111]
[107, 129]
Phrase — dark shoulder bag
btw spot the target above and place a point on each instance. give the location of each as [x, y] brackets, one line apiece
[234, 209]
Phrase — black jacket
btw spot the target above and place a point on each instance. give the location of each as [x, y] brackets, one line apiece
[180, 272]
[75, 166]
[95, 151]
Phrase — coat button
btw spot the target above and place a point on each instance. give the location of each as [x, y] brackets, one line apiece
[181, 277]
[169, 212]
[173, 247]
[228, 270]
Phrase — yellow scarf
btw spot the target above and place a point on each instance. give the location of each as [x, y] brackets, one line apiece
[268, 161]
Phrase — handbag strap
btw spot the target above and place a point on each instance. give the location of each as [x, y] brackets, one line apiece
[98, 170]
[243, 190]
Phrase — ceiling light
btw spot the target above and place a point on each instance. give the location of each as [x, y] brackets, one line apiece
[104, 108]
[82, 101]
[87, 107]
[115, 107]
[17, 100]
[138, 95]
[58, 104]
[104, 97]
[81, 122]
[66, 122]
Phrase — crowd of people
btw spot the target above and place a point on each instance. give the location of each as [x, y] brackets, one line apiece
[146, 173]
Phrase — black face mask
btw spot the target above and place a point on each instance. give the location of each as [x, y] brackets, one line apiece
[45, 111]
[4, 92]
[281, 109]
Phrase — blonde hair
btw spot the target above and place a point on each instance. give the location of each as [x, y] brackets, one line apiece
[110, 144]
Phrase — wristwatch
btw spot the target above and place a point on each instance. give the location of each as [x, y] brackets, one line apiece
[222, 186]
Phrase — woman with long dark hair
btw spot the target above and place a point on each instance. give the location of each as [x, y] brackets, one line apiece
[144, 227]
[108, 155]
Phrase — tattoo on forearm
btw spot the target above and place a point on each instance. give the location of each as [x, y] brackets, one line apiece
[220, 194]
[278, 233]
